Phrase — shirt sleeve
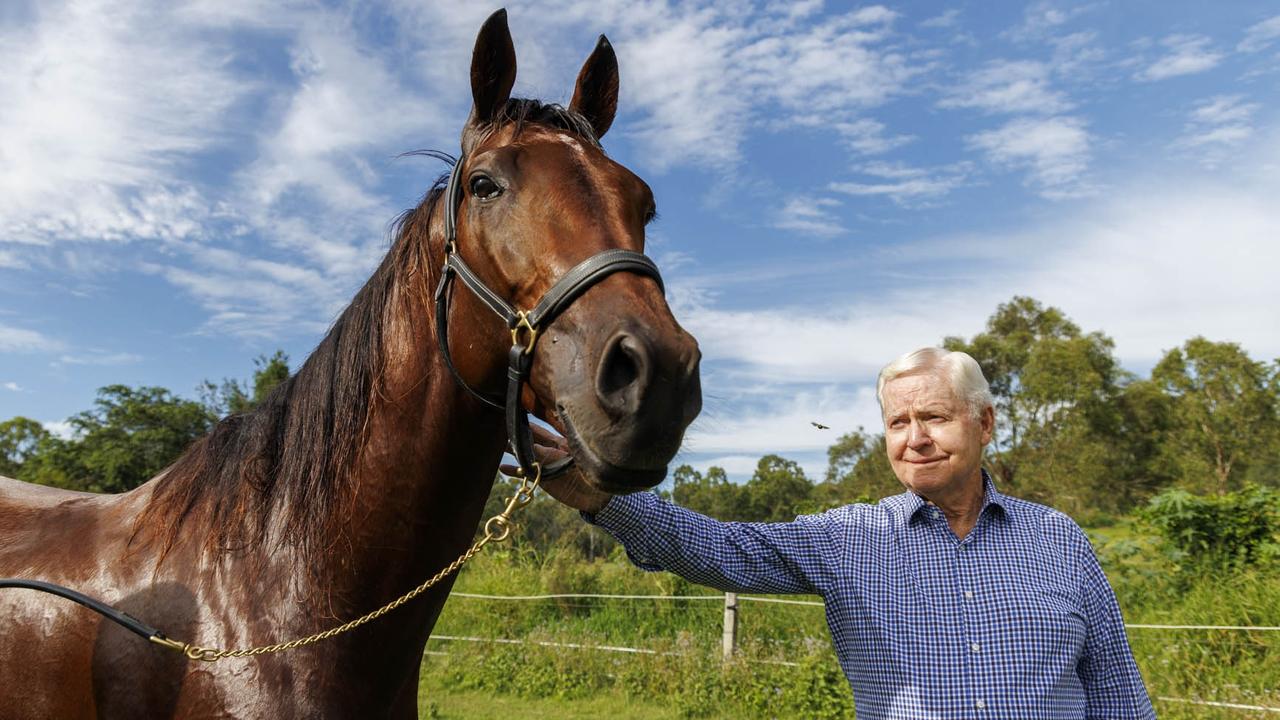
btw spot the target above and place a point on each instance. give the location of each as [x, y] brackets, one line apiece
[1112, 684]
[791, 557]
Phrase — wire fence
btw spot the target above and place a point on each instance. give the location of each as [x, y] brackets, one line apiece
[730, 601]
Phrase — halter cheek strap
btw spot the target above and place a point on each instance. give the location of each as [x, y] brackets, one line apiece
[525, 326]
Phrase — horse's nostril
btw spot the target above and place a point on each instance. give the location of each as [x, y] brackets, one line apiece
[620, 379]
[619, 368]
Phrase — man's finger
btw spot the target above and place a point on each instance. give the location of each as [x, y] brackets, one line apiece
[543, 436]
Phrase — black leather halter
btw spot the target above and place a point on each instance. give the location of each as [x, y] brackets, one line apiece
[525, 326]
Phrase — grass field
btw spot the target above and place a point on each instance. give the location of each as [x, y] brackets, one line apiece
[483, 680]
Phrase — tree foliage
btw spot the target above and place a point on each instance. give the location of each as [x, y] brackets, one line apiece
[858, 470]
[1224, 412]
[232, 397]
[130, 436]
[20, 439]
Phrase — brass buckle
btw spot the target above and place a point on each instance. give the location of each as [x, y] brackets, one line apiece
[523, 326]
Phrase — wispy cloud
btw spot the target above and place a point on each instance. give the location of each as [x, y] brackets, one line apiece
[1260, 36]
[103, 106]
[1005, 86]
[10, 259]
[1039, 18]
[12, 387]
[865, 136]
[1185, 55]
[16, 339]
[99, 357]
[809, 216]
[945, 20]
[905, 185]
[1054, 151]
[1217, 124]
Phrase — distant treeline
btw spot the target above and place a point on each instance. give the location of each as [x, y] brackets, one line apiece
[1075, 430]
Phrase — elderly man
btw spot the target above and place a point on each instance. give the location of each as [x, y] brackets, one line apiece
[950, 600]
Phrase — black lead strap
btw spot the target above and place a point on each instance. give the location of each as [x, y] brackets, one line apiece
[123, 619]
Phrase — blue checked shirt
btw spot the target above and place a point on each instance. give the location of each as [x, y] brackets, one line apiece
[1016, 620]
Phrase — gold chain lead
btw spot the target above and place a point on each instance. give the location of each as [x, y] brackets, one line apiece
[496, 529]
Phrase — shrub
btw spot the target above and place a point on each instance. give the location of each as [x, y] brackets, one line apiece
[1220, 530]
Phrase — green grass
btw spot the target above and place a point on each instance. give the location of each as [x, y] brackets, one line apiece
[438, 702]
[487, 680]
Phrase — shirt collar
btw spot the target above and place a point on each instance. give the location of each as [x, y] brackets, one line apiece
[912, 503]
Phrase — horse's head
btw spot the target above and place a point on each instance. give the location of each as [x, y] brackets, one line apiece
[613, 370]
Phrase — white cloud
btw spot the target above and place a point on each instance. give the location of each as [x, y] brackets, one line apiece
[1008, 86]
[809, 216]
[1216, 124]
[1055, 151]
[1041, 17]
[61, 429]
[104, 107]
[783, 423]
[99, 357]
[14, 339]
[866, 136]
[1187, 55]
[945, 20]
[12, 386]
[907, 186]
[10, 259]
[1261, 35]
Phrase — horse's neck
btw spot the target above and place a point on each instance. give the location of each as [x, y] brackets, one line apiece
[425, 470]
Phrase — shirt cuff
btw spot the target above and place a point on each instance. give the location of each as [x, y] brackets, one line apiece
[623, 514]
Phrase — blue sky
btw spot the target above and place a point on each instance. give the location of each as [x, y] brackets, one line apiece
[187, 185]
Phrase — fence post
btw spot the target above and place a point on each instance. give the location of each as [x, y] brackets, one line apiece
[730, 625]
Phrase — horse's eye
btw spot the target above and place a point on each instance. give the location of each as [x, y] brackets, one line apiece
[483, 187]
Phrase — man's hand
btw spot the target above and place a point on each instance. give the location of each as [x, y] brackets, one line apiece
[569, 487]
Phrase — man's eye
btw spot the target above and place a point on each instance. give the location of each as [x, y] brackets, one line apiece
[483, 187]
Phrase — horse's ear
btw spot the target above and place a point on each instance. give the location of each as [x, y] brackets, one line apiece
[596, 94]
[493, 68]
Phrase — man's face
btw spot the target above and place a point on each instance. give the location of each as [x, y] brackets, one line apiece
[934, 442]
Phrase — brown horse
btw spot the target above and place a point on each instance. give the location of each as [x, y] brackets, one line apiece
[367, 471]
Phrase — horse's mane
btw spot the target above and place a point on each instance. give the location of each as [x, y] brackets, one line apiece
[291, 457]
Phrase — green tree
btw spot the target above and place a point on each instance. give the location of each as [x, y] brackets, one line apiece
[1224, 412]
[130, 436]
[232, 397]
[711, 494]
[20, 439]
[858, 470]
[778, 490]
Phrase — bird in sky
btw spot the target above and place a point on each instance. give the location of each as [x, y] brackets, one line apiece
[819, 425]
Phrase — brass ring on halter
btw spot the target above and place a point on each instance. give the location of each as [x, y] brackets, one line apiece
[523, 325]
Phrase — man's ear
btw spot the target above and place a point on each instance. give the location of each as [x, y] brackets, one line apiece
[595, 96]
[988, 424]
[493, 69]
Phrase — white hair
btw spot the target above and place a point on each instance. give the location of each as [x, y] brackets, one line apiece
[959, 368]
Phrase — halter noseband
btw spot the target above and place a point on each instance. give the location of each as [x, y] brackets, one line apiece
[525, 325]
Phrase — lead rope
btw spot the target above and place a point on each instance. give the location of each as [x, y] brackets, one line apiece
[496, 529]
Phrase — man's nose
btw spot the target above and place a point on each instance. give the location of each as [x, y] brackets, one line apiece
[917, 436]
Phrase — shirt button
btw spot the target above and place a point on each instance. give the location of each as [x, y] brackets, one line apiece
[973, 647]
[980, 704]
[968, 594]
